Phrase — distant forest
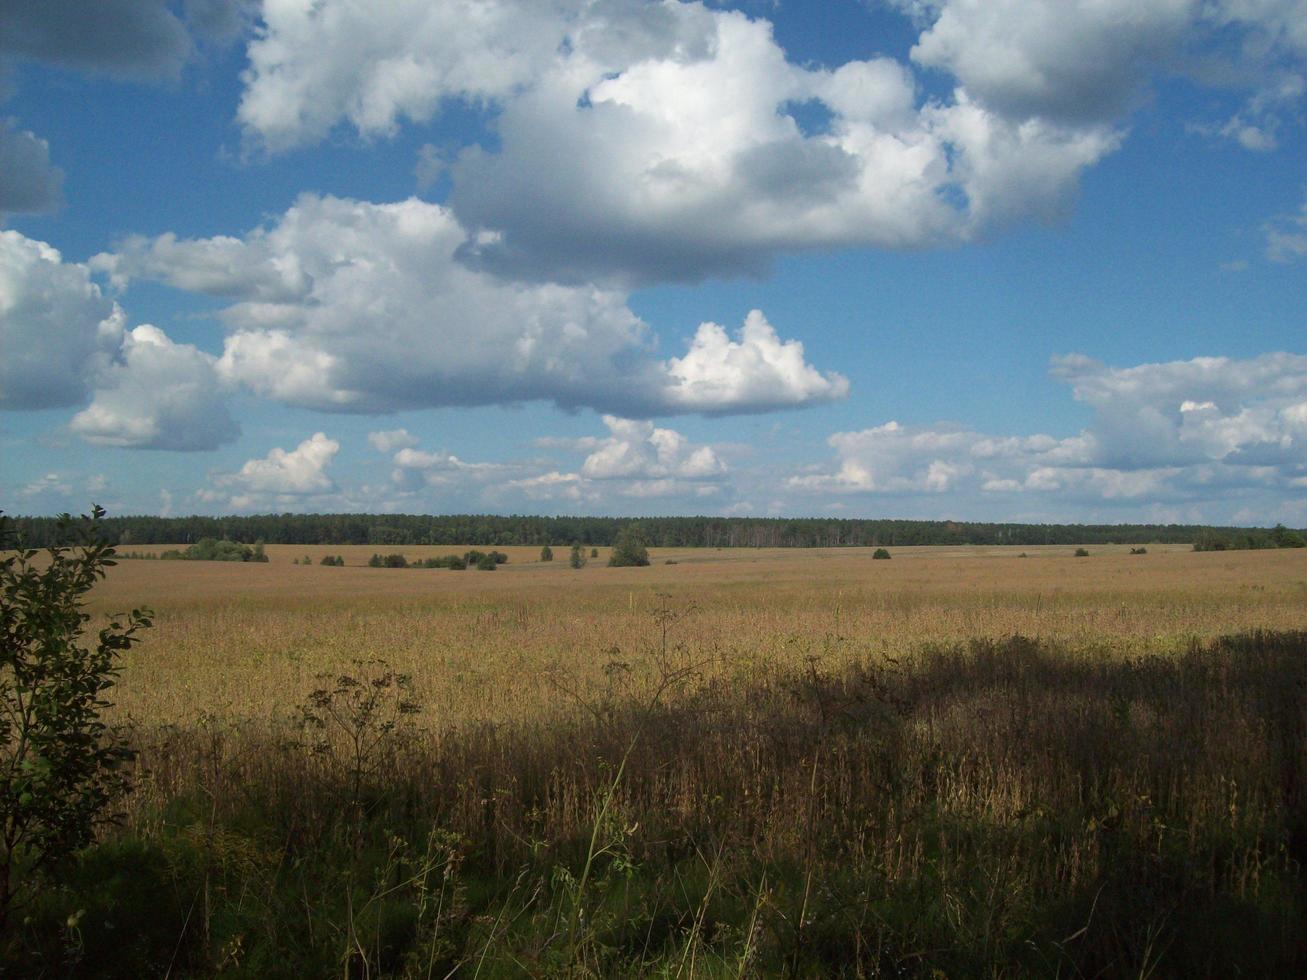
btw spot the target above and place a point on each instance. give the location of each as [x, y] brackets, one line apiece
[660, 532]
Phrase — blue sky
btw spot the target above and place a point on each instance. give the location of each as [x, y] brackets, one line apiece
[1010, 259]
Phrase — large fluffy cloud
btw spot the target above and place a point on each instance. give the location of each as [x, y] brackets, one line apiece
[1090, 60]
[1202, 429]
[642, 142]
[315, 64]
[64, 341]
[28, 182]
[692, 161]
[351, 306]
[646, 141]
[57, 328]
[160, 395]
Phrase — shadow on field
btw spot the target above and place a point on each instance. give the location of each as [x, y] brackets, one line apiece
[1001, 808]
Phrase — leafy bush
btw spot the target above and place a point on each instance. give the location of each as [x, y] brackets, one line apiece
[211, 549]
[487, 563]
[1285, 538]
[546, 553]
[1082, 553]
[62, 765]
[594, 552]
[334, 560]
[374, 561]
[629, 548]
[880, 554]
[577, 558]
[1138, 551]
[394, 561]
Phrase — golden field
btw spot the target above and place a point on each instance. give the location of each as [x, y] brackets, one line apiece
[959, 762]
[249, 640]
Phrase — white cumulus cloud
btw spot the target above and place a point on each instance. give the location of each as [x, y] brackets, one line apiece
[756, 371]
[345, 305]
[641, 142]
[158, 395]
[58, 330]
[301, 471]
[1204, 429]
[636, 449]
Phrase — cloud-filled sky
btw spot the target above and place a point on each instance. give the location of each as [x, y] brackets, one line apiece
[983, 259]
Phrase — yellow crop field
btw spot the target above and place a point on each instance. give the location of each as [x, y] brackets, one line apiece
[978, 761]
[249, 639]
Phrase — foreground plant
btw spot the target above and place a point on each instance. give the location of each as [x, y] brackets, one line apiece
[60, 765]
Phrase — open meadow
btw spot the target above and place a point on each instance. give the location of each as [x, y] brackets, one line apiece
[978, 761]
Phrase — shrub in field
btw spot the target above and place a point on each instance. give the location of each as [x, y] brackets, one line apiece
[374, 561]
[629, 548]
[1082, 553]
[577, 558]
[546, 553]
[594, 552]
[499, 557]
[487, 563]
[60, 764]
[880, 554]
[1138, 551]
[1285, 538]
[394, 561]
[357, 718]
[334, 560]
[211, 549]
[473, 556]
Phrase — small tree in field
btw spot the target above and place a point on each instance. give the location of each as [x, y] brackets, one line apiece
[546, 553]
[577, 557]
[60, 764]
[629, 548]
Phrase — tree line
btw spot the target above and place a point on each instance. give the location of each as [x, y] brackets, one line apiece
[660, 532]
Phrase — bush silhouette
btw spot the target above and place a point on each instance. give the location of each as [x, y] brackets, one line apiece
[64, 764]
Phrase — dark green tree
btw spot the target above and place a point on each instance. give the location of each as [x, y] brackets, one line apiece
[629, 548]
[546, 553]
[577, 557]
[60, 765]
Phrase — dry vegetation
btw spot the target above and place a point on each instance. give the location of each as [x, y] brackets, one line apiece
[248, 640]
[744, 763]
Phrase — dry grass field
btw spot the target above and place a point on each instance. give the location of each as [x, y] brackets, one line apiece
[961, 762]
[249, 639]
